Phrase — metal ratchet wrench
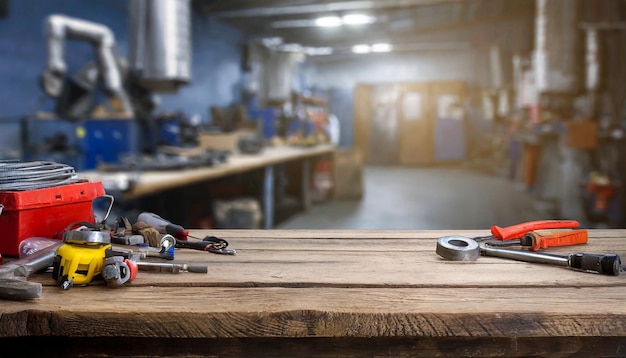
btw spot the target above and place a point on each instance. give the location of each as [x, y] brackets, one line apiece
[459, 248]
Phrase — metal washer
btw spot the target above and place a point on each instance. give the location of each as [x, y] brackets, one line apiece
[87, 237]
[458, 248]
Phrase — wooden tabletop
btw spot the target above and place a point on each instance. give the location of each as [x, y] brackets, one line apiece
[349, 293]
[150, 182]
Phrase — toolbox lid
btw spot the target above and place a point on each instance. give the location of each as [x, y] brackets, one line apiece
[58, 195]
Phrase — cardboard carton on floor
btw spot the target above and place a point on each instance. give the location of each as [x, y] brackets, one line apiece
[348, 174]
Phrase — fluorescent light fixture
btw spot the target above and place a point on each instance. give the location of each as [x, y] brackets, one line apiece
[290, 48]
[318, 51]
[329, 21]
[358, 19]
[381, 47]
[272, 41]
[361, 48]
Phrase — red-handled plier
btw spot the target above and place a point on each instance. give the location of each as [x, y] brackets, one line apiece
[519, 230]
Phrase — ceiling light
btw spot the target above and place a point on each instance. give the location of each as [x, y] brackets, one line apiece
[272, 41]
[381, 47]
[358, 19]
[290, 48]
[318, 51]
[329, 21]
[361, 48]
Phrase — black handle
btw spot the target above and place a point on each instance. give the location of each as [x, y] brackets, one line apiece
[196, 245]
[197, 268]
[607, 264]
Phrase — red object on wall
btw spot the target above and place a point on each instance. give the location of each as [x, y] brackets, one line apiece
[44, 212]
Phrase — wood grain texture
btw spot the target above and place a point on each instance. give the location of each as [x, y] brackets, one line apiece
[346, 285]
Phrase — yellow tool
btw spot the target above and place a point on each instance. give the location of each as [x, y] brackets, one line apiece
[81, 257]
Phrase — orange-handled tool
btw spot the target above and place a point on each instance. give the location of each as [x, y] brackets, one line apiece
[551, 238]
[519, 230]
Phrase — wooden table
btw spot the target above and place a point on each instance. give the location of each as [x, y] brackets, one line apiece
[335, 293]
[135, 185]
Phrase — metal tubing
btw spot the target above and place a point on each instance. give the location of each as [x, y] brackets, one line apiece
[268, 197]
[533, 257]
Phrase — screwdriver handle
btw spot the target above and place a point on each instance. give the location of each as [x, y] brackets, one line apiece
[553, 238]
[519, 230]
[162, 225]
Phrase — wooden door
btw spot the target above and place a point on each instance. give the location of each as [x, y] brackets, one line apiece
[376, 123]
[383, 139]
[416, 125]
[448, 105]
[362, 114]
[401, 124]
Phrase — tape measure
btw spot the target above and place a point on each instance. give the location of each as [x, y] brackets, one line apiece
[80, 258]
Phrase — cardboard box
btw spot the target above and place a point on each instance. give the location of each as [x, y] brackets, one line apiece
[223, 141]
[348, 174]
[44, 212]
[582, 135]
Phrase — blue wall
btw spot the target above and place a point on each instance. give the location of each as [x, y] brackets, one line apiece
[216, 74]
[216, 70]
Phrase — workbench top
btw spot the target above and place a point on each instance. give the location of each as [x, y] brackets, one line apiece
[142, 183]
[348, 293]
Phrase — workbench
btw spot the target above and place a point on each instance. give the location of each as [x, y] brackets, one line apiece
[334, 293]
[134, 185]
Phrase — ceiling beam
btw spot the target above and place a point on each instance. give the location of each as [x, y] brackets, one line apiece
[309, 37]
[337, 6]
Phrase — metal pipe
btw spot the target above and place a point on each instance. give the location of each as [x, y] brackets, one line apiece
[556, 44]
[160, 47]
[61, 27]
[525, 256]
[592, 59]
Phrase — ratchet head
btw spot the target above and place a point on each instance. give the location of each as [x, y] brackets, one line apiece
[458, 248]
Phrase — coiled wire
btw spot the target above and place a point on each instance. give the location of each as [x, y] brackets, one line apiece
[17, 176]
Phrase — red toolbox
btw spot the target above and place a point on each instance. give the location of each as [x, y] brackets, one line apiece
[44, 212]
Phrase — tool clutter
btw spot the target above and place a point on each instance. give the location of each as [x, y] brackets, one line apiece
[88, 252]
[46, 215]
[531, 237]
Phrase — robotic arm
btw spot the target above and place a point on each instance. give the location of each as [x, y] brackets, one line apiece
[58, 29]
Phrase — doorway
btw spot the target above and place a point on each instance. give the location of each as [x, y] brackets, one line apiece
[410, 123]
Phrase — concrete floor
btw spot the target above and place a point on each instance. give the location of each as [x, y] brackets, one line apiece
[424, 198]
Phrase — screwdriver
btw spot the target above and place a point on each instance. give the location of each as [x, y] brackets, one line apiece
[164, 226]
[209, 243]
[173, 268]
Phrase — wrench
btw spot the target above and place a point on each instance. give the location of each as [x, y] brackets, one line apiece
[459, 248]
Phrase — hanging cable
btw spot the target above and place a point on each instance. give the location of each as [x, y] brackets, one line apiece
[17, 176]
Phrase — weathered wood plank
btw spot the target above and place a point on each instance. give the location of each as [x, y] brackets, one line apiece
[394, 262]
[376, 234]
[343, 287]
[173, 299]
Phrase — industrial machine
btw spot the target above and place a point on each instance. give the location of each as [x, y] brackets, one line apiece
[105, 100]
